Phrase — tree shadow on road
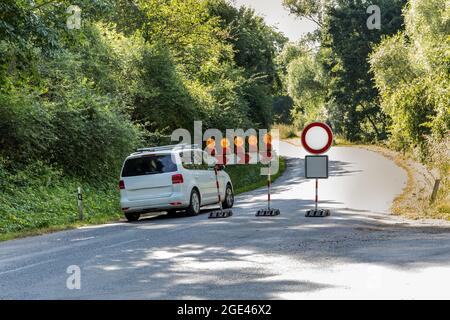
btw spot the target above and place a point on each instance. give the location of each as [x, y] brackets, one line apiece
[244, 257]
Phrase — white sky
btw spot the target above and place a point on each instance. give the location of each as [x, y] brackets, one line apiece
[276, 15]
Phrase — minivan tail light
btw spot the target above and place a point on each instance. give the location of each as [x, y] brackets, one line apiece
[177, 179]
[121, 185]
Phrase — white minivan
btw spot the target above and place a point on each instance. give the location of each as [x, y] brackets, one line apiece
[171, 178]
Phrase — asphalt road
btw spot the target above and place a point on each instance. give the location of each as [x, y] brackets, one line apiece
[359, 252]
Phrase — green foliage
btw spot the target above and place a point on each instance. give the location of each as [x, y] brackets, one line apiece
[327, 73]
[205, 59]
[255, 44]
[65, 114]
[255, 47]
[74, 103]
[159, 92]
[428, 25]
[352, 99]
[305, 84]
[282, 106]
[175, 62]
[290, 52]
[371, 90]
[26, 129]
[412, 74]
[289, 107]
[91, 141]
[309, 9]
[184, 26]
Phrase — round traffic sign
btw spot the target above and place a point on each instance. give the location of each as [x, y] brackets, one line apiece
[317, 138]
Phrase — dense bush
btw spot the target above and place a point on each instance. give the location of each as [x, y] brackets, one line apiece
[59, 114]
[412, 72]
[92, 142]
[26, 129]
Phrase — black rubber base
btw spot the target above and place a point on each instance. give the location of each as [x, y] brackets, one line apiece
[268, 213]
[320, 213]
[217, 214]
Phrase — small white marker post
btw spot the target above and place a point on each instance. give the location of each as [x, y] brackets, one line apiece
[80, 203]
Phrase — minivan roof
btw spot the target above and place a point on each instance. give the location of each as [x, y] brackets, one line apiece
[161, 152]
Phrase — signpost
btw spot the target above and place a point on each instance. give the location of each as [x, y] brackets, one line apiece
[317, 139]
[269, 212]
[80, 203]
[222, 213]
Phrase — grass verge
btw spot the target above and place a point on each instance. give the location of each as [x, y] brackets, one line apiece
[68, 226]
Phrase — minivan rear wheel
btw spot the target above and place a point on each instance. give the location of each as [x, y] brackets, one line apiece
[194, 204]
[228, 202]
[132, 216]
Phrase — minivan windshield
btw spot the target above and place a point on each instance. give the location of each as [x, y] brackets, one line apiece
[149, 164]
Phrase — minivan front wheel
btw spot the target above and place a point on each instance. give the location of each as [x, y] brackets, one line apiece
[194, 204]
[132, 217]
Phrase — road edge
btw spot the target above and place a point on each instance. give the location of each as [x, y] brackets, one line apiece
[414, 202]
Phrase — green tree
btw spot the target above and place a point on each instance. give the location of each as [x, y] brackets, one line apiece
[256, 46]
[352, 99]
[312, 10]
[305, 84]
[411, 71]
[160, 92]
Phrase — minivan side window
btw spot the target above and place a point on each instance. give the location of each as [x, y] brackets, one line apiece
[187, 159]
[201, 160]
[208, 160]
[193, 160]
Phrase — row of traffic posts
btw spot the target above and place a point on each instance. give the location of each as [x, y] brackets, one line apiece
[316, 139]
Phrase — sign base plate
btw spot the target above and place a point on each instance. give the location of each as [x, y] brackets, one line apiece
[218, 214]
[319, 213]
[268, 213]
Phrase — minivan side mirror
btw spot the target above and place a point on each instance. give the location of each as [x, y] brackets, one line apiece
[219, 167]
